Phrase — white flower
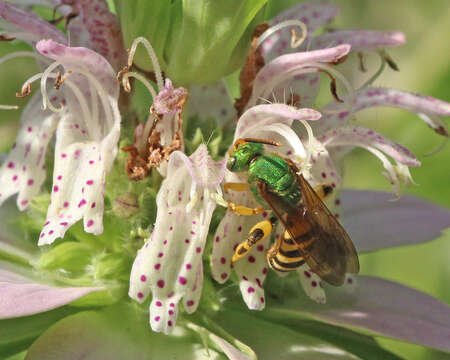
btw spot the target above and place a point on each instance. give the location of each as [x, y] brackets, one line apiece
[86, 117]
[170, 263]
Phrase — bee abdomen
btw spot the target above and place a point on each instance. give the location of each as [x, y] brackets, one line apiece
[288, 258]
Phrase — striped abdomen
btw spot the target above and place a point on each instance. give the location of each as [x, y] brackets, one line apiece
[287, 257]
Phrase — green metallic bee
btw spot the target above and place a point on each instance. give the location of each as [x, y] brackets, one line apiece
[313, 235]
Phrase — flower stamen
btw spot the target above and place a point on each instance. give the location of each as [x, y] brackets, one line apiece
[296, 41]
[152, 56]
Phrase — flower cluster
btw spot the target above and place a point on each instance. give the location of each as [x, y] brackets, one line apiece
[157, 212]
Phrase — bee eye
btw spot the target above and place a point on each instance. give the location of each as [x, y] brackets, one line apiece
[231, 162]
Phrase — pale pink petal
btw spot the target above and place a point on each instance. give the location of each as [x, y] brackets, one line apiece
[301, 90]
[428, 108]
[374, 222]
[360, 136]
[212, 101]
[285, 67]
[97, 28]
[27, 26]
[21, 296]
[76, 57]
[170, 100]
[359, 40]
[312, 14]
[260, 116]
[23, 170]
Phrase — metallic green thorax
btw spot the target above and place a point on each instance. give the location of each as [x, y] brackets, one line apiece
[270, 168]
[275, 172]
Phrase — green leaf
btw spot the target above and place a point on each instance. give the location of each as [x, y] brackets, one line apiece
[70, 256]
[17, 334]
[271, 340]
[117, 332]
[358, 344]
[204, 35]
[150, 19]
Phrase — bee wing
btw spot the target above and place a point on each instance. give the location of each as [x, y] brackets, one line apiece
[320, 238]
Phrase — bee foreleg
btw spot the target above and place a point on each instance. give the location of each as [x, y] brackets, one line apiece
[235, 186]
[244, 210]
[257, 233]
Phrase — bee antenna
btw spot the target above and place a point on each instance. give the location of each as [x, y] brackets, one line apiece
[262, 141]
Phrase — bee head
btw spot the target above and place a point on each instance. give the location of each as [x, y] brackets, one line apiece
[244, 151]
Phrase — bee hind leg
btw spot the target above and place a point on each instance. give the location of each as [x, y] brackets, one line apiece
[244, 210]
[257, 233]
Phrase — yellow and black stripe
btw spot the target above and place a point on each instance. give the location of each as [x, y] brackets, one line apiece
[288, 257]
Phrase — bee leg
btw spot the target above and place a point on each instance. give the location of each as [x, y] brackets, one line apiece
[244, 210]
[257, 233]
[324, 191]
[235, 187]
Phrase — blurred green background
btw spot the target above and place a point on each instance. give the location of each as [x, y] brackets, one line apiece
[424, 68]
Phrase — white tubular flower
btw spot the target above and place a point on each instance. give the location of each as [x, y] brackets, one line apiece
[169, 265]
[86, 139]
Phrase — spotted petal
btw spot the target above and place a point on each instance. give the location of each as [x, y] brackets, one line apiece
[86, 143]
[95, 27]
[233, 229]
[359, 40]
[25, 25]
[212, 101]
[427, 107]
[169, 264]
[344, 139]
[23, 170]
